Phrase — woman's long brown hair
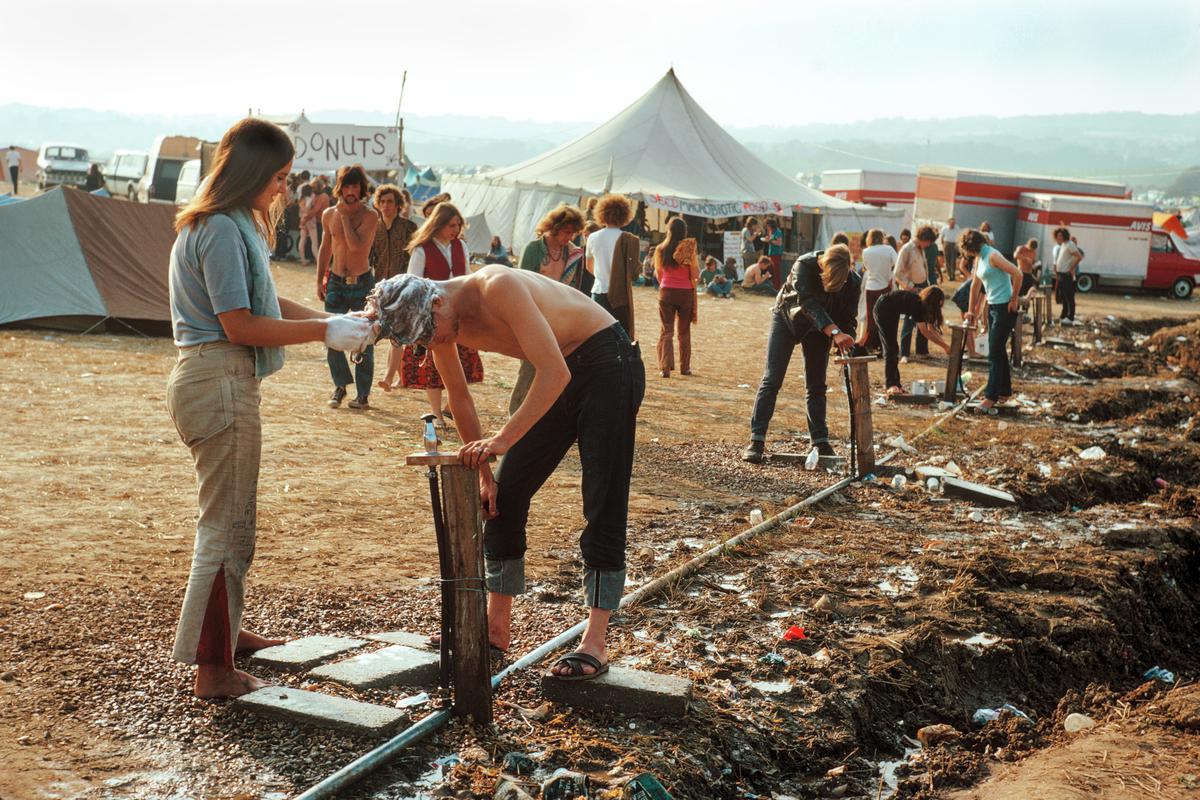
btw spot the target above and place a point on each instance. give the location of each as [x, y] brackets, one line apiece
[676, 233]
[439, 218]
[250, 154]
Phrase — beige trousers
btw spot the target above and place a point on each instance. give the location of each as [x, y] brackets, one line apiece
[213, 399]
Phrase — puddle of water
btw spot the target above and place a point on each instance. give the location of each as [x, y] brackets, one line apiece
[906, 578]
[980, 641]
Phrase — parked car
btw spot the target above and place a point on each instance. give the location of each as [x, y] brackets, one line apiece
[188, 182]
[167, 158]
[123, 171]
[62, 163]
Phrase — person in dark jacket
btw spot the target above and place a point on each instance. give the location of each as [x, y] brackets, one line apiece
[817, 307]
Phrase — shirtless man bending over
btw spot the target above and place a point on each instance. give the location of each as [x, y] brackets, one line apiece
[349, 233]
[587, 388]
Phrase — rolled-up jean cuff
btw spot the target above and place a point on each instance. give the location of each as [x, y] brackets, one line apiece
[602, 588]
[505, 576]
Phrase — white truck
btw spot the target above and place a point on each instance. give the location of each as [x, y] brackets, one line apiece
[61, 163]
[1121, 246]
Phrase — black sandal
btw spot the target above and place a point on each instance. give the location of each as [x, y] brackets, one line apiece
[575, 662]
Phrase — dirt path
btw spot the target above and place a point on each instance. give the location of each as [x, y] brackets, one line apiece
[99, 510]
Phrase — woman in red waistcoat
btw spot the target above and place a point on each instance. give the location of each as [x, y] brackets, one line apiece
[438, 253]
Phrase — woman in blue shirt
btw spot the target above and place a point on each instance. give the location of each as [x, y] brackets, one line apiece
[999, 280]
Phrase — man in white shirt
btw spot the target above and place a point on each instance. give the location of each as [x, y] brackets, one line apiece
[949, 244]
[1066, 263]
[912, 274]
[878, 261]
[13, 159]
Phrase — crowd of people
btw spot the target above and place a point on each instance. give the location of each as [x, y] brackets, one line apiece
[565, 309]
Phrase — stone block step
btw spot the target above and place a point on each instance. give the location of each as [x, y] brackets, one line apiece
[322, 710]
[305, 653]
[625, 690]
[398, 665]
[977, 493]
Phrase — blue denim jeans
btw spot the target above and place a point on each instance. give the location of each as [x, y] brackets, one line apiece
[339, 299]
[598, 411]
[780, 346]
[1000, 327]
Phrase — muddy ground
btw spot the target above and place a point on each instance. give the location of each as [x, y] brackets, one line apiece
[919, 609]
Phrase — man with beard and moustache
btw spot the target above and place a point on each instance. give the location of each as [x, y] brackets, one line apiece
[349, 234]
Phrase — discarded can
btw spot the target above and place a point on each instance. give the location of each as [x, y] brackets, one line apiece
[932, 485]
[756, 516]
[899, 481]
[644, 787]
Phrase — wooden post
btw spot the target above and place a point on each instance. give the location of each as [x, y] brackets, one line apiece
[1017, 337]
[958, 342]
[860, 402]
[1048, 304]
[1038, 317]
[464, 564]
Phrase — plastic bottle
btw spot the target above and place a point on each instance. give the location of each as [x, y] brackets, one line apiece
[932, 485]
[899, 481]
[814, 458]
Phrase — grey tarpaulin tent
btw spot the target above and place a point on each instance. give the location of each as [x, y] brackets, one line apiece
[665, 151]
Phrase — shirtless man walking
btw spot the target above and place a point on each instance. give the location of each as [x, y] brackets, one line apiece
[349, 233]
[587, 388]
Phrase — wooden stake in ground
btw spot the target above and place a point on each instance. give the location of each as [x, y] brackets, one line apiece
[958, 341]
[1039, 316]
[1017, 338]
[463, 560]
[860, 403]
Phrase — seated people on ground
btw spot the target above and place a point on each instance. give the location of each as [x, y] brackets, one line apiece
[714, 280]
[758, 277]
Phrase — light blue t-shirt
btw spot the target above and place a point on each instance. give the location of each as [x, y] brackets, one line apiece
[210, 274]
[996, 282]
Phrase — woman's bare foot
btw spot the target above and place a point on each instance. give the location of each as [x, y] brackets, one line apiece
[213, 682]
[985, 403]
[249, 642]
[386, 385]
[435, 642]
[894, 390]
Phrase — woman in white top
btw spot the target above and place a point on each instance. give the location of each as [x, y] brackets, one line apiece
[878, 261]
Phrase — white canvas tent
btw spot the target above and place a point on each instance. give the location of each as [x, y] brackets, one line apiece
[665, 151]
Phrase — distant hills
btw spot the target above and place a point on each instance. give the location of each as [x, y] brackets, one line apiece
[1144, 150]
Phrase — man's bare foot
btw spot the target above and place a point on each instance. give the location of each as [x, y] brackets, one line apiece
[214, 682]
[574, 668]
[249, 642]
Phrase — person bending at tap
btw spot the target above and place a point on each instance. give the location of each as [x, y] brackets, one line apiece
[924, 309]
[817, 307]
[587, 387]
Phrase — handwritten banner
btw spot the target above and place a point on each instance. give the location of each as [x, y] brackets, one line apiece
[324, 148]
[716, 210]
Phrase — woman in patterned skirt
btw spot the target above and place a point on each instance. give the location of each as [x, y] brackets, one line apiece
[438, 253]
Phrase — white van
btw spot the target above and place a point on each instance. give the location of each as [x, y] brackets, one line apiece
[188, 183]
[123, 171]
[167, 158]
[59, 163]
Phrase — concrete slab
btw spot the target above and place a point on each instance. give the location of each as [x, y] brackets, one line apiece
[977, 493]
[420, 641]
[1066, 344]
[397, 665]
[322, 710]
[625, 690]
[914, 399]
[926, 471]
[305, 653]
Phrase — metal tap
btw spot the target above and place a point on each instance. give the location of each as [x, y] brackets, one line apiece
[430, 439]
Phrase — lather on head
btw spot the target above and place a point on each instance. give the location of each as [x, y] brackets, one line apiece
[403, 308]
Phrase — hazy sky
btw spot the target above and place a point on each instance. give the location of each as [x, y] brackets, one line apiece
[747, 63]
